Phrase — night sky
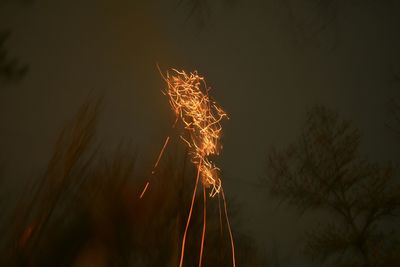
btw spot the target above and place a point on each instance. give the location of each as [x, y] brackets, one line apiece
[266, 61]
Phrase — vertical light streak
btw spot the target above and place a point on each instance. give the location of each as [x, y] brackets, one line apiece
[189, 217]
[230, 231]
[204, 225]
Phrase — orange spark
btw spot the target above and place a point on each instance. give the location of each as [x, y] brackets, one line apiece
[160, 155]
[144, 190]
[201, 117]
[188, 97]
[156, 164]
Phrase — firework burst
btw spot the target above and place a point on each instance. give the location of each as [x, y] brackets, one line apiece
[201, 117]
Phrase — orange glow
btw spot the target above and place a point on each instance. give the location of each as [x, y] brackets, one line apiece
[201, 117]
[26, 235]
[188, 97]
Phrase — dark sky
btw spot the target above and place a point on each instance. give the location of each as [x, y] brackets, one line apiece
[266, 61]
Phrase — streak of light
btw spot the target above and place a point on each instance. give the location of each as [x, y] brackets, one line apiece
[186, 141]
[161, 153]
[201, 117]
[156, 164]
[189, 217]
[230, 231]
[144, 190]
[204, 225]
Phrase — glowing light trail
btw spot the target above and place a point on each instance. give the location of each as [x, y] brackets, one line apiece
[155, 165]
[188, 97]
[189, 217]
[161, 153]
[144, 190]
[204, 225]
[230, 231]
[201, 117]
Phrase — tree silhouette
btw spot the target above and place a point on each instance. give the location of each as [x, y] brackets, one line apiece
[310, 20]
[394, 122]
[10, 69]
[200, 11]
[316, 23]
[324, 171]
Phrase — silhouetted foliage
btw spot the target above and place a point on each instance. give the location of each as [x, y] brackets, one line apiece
[10, 69]
[324, 171]
[85, 211]
[311, 19]
[201, 10]
[316, 23]
[394, 122]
